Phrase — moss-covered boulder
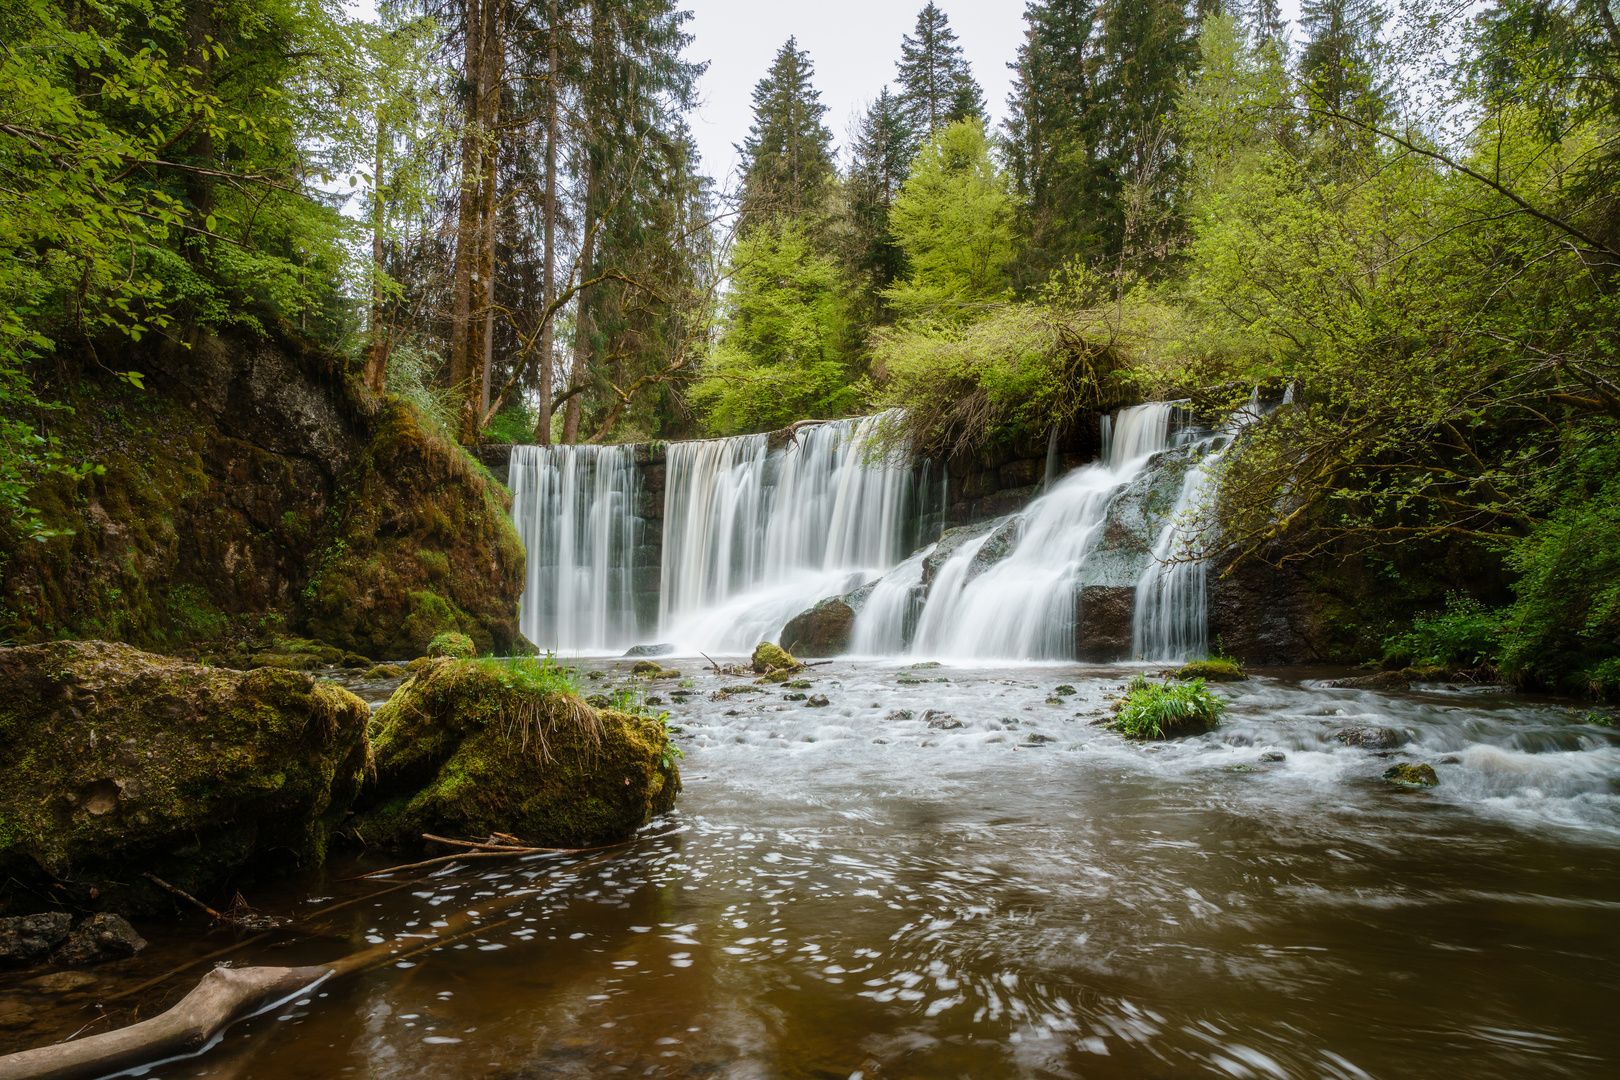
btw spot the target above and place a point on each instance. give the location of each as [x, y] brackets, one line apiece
[451, 644]
[114, 762]
[822, 630]
[1419, 775]
[1213, 670]
[768, 658]
[468, 747]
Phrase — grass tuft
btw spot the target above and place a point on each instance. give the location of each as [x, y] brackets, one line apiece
[1167, 710]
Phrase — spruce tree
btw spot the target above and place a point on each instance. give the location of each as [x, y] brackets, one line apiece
[1263, 20]
[1339, 65]
[1051, 134]
[937, 84]
[878, 167]
[787, 156]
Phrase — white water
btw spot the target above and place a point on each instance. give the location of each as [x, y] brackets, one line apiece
[1023, 607]
[574, 508]
[1172, 597]
[752, 538]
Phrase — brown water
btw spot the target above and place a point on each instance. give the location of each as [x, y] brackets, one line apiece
[843, 895]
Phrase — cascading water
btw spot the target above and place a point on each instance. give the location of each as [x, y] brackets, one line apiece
[1023, 604]
[574, 508]
[751, 538]
[1172, 597]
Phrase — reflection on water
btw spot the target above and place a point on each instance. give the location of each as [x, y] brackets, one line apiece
[1006, 891]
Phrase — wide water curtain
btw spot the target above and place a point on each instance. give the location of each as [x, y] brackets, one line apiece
[575, 510]
[749, 531]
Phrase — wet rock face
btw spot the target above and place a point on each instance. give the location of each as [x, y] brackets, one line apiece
[1369, 738]
[1103, 630]
[1391, 680]
[28, 939]
[820, 631]
[997, 547]
[949, 541]
[466, 749]
[114, 761]
[649, 650]
[103, 936]
[1263, 614]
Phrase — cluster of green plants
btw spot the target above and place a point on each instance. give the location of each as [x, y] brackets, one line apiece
[1151, 710]
[536, 675]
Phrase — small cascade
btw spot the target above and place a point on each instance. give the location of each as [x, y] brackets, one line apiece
[752, 537]
[1022, 605]
[1172, 597]
[575, 510]
[888, 618]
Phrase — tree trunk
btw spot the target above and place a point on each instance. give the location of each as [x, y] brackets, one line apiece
[377, 358]
[481, 284]
[582, 313]
[548, 284]
[467, 202]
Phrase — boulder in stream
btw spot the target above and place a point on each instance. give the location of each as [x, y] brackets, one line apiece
[1369, 738]
[467, 748]
[768, 658]
[103, 936]
[28, 939]
[1420, 774]
[649, 650]
[1103, 631]
[822, 630]
[114, 762]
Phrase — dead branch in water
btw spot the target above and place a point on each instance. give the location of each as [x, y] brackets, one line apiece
[226, 995]
[187, 897]
[493, 851]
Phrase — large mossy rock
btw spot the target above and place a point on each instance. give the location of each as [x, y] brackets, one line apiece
[114, 762]
[255, 488]
[466, 748]
[822, 630]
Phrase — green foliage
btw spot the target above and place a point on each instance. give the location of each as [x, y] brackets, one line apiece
[788, 150]
[538, 675]
[954, 220]
[1564, 628]
[1465, 635]
[779, 357]
[513, 424]
[1167, 710]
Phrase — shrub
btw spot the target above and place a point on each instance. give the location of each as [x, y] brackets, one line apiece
[1465, 634]
[450, 643]
[1167, 710]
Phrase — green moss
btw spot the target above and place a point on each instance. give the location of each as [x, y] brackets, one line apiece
[1419, 775]
[768, 657]
[116, 761]
[1211, 670]
[470, 747]
[452, 644]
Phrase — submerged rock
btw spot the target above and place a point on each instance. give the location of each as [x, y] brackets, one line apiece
[818, 701]
[1391, 680]
[768, 657]
[467, 748]
[942, 721]
[1420, 774]
[822, 630]
[649, 650]
[103, 936]
[114, 761]
[28, 939]
[1369, 738]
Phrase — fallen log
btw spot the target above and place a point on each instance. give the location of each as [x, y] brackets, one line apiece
[224, 996]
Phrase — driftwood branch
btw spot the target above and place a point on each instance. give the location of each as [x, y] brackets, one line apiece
[183, 895]
[224, 996]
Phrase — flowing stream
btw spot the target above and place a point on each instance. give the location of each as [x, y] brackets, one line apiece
[996, 889]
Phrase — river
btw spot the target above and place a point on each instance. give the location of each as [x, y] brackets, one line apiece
[850, 892]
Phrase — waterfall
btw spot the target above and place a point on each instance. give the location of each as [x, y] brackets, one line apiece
[887, 620]
[575, 511]
[753, 537]
[1172, 597]
[1022, 606]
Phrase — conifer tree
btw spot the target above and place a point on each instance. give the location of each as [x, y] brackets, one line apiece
[1051, 133]
[880, 159]
[1339, 65]
[1263, 20]
[788, 152]
[937, 85]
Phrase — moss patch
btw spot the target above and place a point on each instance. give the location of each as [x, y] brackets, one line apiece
[768, 658]
[467, 748]
[117, 761]
[1213, 670]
